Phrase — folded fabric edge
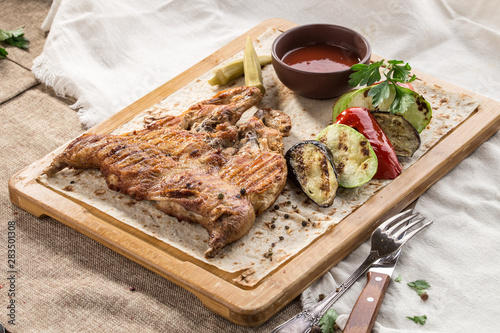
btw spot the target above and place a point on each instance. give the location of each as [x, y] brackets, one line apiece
[44, 72]
[47, 23]
[62, 86]
[89, 117]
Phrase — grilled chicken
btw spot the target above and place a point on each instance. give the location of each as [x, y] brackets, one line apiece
[199, 166]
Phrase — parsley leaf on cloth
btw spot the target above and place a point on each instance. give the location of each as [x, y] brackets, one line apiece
[419, 286]
[396, 74]
[13, 37]
[327, 322]
[419, 319]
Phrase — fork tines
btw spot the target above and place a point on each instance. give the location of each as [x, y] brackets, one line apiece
[398, 226]
[396, 218]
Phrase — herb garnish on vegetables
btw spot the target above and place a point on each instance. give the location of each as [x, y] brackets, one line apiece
[419, 319]
[395, 73]
[13, 37]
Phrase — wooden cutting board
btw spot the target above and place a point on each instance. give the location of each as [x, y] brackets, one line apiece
[251, 306]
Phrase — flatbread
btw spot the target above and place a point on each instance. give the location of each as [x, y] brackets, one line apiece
[294, 221]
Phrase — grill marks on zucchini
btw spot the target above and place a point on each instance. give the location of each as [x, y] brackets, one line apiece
[310, 164]
[353, 156]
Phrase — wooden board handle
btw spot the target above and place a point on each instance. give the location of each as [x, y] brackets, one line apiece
[365, 310]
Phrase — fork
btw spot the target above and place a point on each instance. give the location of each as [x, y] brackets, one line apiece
[387, 239]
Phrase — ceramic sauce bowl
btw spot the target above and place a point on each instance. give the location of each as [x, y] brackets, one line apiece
[314, 60]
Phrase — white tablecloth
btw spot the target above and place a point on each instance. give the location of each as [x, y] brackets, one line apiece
[109, 53]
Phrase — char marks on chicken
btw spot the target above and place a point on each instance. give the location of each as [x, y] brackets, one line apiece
[199, 166]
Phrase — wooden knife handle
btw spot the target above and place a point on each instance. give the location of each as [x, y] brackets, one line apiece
[365, 310]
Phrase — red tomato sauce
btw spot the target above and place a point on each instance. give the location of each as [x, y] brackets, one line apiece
[321, 58]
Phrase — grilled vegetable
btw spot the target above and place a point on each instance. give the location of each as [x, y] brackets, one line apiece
[418, 113]
[396, 73]
[342, 103]
[403, 136]
[251, 67]
[362, 120]
[353, 156]
[311, 165]
[224, 74]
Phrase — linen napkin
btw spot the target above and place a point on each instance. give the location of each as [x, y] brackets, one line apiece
[108, 54]
[457, 255]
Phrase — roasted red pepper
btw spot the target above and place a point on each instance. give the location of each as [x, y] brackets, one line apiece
[362, 120]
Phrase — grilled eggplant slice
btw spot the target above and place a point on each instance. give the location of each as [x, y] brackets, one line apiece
[310, 163]
[403, 136]
[353, 156]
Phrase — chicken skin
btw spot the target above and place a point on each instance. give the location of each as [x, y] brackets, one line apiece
[199, 166]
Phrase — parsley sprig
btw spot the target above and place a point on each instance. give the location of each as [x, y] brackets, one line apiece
[418, 319]
[13, 37]
[327, 322]
[419, 286]
[394, 71]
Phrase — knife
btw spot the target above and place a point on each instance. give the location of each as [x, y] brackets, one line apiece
[365, 310]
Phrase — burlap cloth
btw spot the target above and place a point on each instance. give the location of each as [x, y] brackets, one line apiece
[66, 282]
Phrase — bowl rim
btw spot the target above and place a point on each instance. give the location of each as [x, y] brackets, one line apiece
[354, 32]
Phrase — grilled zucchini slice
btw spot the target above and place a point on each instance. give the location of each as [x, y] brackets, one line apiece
[353, 156]
[419, 112]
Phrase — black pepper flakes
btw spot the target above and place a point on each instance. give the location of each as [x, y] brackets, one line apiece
[321, 297]
[72, 182]
[243, 191]
[269, 254]
[304, 223]
[282, 238]
[276, 207]
[273, 226]
[220, 196]
[286, 216]
[287, 227]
